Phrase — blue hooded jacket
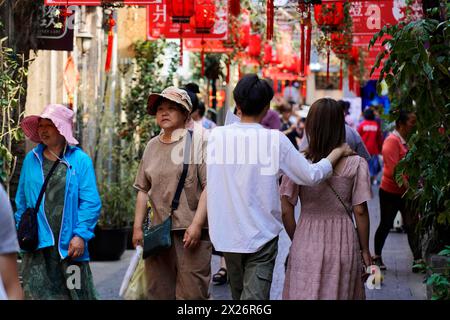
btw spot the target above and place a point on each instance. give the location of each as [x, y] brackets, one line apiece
[81, 204]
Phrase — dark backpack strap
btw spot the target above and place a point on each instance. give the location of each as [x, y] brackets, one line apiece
[187, 155]
[44, 186]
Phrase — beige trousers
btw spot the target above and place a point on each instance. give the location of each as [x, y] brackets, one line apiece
[179, 273]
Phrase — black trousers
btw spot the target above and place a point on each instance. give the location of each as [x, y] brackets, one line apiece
[390, 204]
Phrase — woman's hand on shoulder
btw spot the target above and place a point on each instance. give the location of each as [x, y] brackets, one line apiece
[346, 150]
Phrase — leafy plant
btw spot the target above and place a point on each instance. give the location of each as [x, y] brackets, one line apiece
[416, 70]
[118, 201]
[12, 76]
[138, 126]
[133, 129]
[439, 282]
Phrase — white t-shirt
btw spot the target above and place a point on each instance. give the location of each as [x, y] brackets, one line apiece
[244, 164]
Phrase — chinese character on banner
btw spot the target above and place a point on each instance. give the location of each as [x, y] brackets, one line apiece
[54, 32]
[210, 46]
[369, 17]
[159, 23]
[98, 2]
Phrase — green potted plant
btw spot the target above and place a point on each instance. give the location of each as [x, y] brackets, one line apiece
[416, 71]
[113, 228]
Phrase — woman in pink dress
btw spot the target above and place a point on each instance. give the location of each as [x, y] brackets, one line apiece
[325, 260]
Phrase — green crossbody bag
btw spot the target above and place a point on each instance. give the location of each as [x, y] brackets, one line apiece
[158, 237]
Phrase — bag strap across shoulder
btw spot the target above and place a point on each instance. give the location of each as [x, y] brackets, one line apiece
[187, 156]
[44, 186]
[348, 210]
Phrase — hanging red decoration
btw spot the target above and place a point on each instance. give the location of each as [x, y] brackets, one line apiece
[340, 44]
[227, 79]
[270, 18]
[180, 11]
[267, 53]
[204, 17]
[302, 48]
[244, 36]
[350, 79]
[308, 43]
[329, 15]
[111, 23]
[328, 63]
[305, 36]
[254, 49]
[234, 7]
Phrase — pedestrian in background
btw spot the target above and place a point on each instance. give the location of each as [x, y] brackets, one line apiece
[9, 278]
[244, 213]
[68, 212]
[392, 195]
[288, 127]
[352, 137]
[370, 132]
[182, 271]
[325, 255]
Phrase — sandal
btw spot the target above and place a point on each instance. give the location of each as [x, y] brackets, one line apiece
[221, 277]
[376, 260]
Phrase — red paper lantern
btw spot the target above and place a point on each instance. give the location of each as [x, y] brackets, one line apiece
[204, 17]
[254, 49]
[329, 14]
[180, 11]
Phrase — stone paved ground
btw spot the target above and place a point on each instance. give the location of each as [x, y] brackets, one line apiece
[399, 283]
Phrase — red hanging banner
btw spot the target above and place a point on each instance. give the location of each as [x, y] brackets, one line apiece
[370, 16]
[160, 25]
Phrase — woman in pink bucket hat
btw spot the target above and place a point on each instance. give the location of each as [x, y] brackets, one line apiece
[68, 212]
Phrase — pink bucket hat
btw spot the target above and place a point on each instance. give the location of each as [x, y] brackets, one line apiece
[61, 117]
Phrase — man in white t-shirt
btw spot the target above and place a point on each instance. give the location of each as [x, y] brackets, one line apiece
[244, 164]
[9, 279]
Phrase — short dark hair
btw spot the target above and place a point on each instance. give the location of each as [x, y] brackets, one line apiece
[252, 94]
[201, 108]
[194, 99]
[325, 128]
[369, 114]
[192, 87]
[284, 107]
[402, 117]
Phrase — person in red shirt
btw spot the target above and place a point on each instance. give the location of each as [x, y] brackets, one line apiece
[391, 194]
[370, 132]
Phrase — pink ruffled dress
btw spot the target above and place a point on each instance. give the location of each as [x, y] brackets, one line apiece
[324, 258]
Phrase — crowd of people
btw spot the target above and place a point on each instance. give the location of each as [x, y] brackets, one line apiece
[241, 184]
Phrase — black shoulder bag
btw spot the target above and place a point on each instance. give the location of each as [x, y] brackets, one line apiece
[27, 232]
[158, 237]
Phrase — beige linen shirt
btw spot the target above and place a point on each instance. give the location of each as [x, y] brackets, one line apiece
[159, 172]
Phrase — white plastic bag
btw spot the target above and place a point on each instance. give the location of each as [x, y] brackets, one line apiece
[134, 284]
